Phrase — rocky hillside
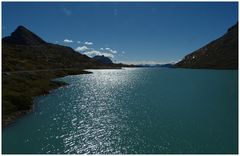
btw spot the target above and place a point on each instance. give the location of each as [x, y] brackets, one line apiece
[23, 36]
[24, 50]
[29, 64]
[103, 59]
[221, 53]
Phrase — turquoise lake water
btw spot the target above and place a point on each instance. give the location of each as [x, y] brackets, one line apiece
[134, 110]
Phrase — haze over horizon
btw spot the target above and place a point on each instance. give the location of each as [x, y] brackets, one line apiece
[136, 33]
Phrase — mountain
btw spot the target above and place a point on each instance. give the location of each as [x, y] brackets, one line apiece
[28, 66]
[24, 50]
[103, 59]
[23, 36]
[221, 53]
[167, 65]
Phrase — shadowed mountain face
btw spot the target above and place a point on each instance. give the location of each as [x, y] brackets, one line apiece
[23, 36]
[29, 64]
[103, 59]
[219, 54]
[24, 50]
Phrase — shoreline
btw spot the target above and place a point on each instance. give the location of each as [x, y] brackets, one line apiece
[11, 118]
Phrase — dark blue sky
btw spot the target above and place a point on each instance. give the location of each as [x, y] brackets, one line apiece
[129, 32]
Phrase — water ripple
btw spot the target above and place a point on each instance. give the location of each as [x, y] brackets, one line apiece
[126, 111]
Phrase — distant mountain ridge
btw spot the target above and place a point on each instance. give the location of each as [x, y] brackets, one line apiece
[103, 59]
[221, 53]
[167, 65]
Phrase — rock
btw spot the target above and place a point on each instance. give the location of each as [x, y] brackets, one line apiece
[221, 53]
[23, 36]
[103, 59]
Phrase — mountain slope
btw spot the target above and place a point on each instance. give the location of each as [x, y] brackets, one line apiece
[103, 59]
[24, 50]
[23, 36]
[221, 53]
[29, 64]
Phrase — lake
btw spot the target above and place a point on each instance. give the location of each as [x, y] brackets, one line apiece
[133, 110]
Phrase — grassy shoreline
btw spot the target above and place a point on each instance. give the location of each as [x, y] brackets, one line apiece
[19, 91]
